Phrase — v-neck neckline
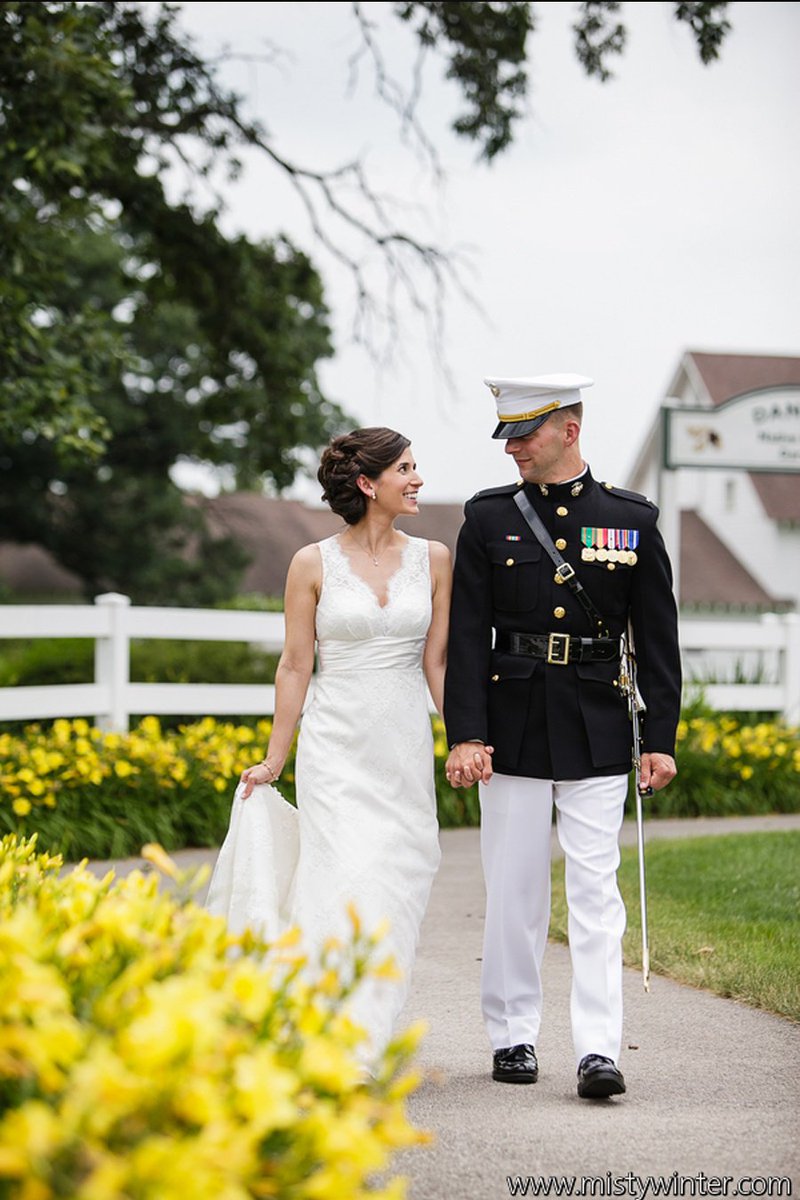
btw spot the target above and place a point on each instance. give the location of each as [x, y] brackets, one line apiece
[360, 578]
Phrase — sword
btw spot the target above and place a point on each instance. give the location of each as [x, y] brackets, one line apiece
[635, 706]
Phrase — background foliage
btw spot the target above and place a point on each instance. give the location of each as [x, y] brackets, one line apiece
[104, 794]
[136, 333]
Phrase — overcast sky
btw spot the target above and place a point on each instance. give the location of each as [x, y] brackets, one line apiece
[630, 220]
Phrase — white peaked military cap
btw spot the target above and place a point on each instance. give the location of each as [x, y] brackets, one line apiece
[525, 404]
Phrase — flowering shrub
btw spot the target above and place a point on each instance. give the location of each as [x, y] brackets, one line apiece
[96, 794]
[104, 795]
[726, 767]
[146, 1052]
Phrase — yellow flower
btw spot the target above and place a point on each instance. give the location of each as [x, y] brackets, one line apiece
[381, 929]
[388, 969]
[355, 919]
[28, 1135]
[265, 1091]
[328, 1065]
[157, 855]
[290, 937]
[21, 807]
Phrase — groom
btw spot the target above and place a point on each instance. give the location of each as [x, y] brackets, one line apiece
[534, 712]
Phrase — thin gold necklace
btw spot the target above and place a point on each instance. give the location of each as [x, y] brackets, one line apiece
[375, 558]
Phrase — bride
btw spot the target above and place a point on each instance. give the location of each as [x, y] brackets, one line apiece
[365, 833]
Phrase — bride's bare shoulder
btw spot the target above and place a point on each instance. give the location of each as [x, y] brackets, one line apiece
[306, 563]
[307, 554]
[440, 555]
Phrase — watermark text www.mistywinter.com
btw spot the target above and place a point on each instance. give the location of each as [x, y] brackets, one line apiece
[643, 1187]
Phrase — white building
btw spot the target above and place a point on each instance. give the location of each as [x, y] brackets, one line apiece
[734, 534]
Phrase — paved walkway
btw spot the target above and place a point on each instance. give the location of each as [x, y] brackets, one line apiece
[713, 1086]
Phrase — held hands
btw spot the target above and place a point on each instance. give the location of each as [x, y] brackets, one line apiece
[657, 770]
[469, 762]
[262, 772]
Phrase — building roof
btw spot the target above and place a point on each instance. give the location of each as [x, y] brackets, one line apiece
[712, 577]
[30, 570]
[779, 494]
[727, 375]
[270, 530]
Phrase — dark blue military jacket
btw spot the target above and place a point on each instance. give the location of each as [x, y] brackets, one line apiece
[547, 720]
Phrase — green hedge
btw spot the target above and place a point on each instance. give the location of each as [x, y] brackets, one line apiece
[103, 795]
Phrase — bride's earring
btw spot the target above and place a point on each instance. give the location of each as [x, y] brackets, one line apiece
[373, 495]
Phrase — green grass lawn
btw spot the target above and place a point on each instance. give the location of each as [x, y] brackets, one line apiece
[722, 914]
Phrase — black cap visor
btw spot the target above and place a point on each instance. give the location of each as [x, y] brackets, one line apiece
[515, 429]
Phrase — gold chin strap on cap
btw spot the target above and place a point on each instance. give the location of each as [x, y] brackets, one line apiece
[528, 416]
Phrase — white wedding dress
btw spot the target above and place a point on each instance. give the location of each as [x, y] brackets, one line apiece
[365, 828]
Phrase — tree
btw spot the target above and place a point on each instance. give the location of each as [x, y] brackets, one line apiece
[93, 100]
[96, 100]
[132, 330]
[119, 522]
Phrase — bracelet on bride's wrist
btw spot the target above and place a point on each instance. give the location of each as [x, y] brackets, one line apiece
[270, 768]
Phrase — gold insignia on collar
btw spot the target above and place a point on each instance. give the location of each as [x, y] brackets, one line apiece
[544, 489]
[576, 489]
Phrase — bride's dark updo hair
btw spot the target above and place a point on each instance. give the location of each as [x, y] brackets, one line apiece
[362, 452]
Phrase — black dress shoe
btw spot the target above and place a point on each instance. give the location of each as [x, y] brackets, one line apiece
[599, 1077]
[515, 1064]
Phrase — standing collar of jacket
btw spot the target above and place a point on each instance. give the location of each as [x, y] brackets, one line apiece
[560, 493]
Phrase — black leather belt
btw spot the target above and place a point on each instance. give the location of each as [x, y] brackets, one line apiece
[559, 648]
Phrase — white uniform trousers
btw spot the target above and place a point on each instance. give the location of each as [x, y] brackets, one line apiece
[516, 816]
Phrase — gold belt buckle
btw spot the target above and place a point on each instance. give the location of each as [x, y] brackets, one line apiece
[558, 649]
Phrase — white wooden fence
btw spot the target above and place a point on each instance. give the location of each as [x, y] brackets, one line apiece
[112, 622]
[766, 650]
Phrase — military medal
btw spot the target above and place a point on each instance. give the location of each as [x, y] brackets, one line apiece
[609, 546]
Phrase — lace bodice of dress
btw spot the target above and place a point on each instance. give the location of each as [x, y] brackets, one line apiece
[349, 610]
